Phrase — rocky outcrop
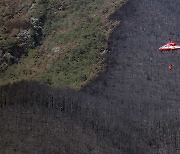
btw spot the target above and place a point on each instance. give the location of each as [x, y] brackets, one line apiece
[20, 28]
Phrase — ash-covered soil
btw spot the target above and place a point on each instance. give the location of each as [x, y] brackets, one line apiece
[138, 83]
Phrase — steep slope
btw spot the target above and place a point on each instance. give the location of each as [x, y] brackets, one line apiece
[41, 133]
[62, 43]
[38, 118]
[132, 108]
[138, 82]
[20, 29]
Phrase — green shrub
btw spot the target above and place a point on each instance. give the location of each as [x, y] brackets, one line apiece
[40, 10]
[32, 53]
[7, 43]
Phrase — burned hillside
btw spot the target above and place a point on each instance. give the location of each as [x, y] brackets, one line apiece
[133, 107]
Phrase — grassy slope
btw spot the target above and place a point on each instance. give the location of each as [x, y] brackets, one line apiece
[79, 30]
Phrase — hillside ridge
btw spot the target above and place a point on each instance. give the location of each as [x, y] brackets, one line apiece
[61, 43]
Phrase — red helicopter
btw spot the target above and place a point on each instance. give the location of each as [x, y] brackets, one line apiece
[169, 46]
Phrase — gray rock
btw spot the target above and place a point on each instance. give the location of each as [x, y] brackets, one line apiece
[8, 58]
[55, 49]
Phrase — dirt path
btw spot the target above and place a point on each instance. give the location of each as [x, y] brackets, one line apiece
[138, 83]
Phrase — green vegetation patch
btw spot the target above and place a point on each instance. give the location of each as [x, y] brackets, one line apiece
[75, 29]
[84, 31]
[40, 10]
